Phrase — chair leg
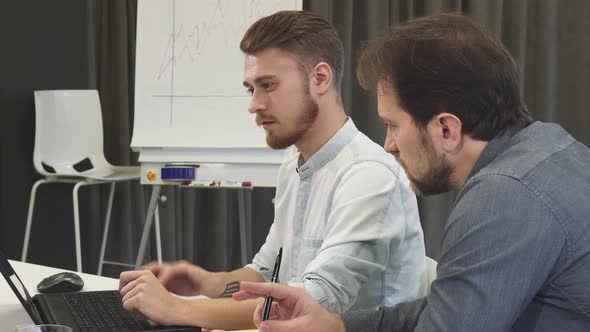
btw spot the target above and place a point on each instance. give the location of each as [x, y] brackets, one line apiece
[242, 222]
[158, 237]
[148, 224]
[105, 233]
[77, 225]
[30, 218]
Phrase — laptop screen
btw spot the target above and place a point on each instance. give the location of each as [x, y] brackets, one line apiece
[18, 288]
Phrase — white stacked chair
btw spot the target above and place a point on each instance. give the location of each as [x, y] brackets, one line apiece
[69, 149]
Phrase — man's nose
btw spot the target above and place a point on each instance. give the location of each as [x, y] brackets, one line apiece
[390, 144]
[257, 103]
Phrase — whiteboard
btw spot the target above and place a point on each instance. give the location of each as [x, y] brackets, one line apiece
[190, 104]
[189, 73]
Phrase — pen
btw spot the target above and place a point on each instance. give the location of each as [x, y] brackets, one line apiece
[275, 277]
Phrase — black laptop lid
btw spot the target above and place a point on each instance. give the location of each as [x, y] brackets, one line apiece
[18, 288]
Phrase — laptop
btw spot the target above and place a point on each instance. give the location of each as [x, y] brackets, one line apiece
[83, 311]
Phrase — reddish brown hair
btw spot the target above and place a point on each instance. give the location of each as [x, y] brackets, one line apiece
[305, 35]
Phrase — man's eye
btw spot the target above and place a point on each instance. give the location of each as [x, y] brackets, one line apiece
[250, 91]
[268, 86]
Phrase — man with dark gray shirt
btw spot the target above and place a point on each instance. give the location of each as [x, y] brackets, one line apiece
[516, 247]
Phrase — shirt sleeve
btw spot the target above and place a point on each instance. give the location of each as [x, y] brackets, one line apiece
[500, 244]
[263, 261]
[365, 220]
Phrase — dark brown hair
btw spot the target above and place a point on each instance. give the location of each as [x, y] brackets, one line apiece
[305, 35]
[448, 63]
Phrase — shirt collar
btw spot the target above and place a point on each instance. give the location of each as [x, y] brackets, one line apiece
[494, 147]
[328, 151]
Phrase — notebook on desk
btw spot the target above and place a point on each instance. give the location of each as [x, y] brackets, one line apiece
[83, 311]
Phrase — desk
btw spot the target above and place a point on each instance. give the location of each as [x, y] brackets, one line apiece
[11, 311]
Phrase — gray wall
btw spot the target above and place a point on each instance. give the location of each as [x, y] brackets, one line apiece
[44, 46]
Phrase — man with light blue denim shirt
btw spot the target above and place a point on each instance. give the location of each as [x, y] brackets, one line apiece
[346, 219]
[344, 212]
[516, 247]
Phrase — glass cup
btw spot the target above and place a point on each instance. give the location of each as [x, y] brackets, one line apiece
[45, 328]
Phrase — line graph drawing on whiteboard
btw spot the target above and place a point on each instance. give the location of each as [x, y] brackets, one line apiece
[196, 40]
[189, 67]
[191, 40]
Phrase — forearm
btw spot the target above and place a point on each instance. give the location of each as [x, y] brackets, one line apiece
[224, 314]
[227, 283]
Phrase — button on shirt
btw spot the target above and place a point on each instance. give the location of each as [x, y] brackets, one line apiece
[348, 224]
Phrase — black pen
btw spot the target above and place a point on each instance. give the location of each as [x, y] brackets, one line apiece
[275, 278]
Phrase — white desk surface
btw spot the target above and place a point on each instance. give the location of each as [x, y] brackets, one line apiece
[11, 311]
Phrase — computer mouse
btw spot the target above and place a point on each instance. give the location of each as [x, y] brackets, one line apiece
[60, 283]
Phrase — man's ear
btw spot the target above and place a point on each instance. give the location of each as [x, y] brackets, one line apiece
[322, 77]
[448, 127]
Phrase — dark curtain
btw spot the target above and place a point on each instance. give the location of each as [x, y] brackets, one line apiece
[196, 224]
[73, 44]
[111, 44]
[549, 39]
[90, 44]
[43, 47]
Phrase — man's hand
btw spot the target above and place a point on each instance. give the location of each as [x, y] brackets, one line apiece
[184, 278]
[142, 292]
[292, 310]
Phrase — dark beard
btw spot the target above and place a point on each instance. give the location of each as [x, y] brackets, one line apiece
[437, 180]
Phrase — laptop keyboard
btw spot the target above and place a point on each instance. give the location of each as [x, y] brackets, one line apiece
[102, 311]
